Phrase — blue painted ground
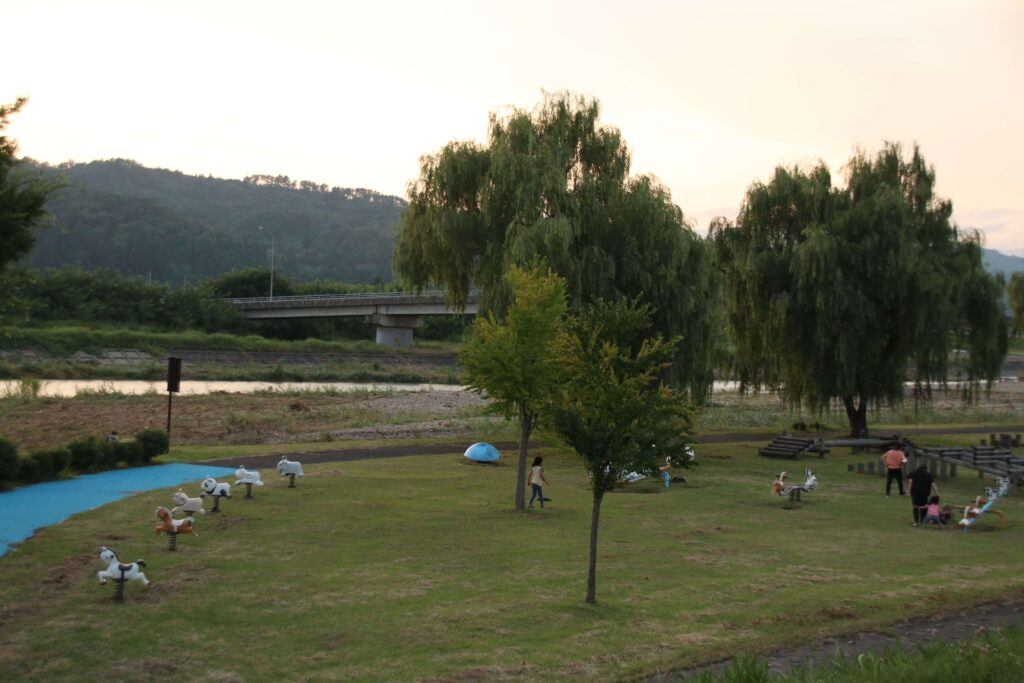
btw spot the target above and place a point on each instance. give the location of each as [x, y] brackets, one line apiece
[24, 510]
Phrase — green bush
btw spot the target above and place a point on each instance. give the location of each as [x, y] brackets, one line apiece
[108, 455]
[37, 466]
[128, 452]
[61, 458]
[154, 442]
[10, 464]
[86, 453]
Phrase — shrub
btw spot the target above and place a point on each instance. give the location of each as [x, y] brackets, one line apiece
[128, 452]
[61, 458]
[41, 466]
[10, 464]
[153, 442]
[108, 455]
[86, 453]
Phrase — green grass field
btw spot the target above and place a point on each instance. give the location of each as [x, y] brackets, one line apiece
[418, 568]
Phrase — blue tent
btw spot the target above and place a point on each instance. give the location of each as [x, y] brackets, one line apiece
[483, 452]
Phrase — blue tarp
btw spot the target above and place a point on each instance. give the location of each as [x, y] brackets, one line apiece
[24, 510]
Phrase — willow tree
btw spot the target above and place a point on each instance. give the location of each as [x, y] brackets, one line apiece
[554, 184]
[1015, 296]
[843, 293]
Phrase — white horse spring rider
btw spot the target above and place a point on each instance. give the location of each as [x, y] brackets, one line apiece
[245, 476]
[182, 503]
[120, 572]
[286, 467]
[211, 487]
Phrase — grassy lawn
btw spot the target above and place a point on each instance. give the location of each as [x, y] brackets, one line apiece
[412, 568]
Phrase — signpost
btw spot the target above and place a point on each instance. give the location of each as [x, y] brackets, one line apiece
[173, 387]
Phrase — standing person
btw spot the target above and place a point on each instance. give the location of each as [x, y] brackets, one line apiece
[536, 477]
[894, 460]
[921, 485]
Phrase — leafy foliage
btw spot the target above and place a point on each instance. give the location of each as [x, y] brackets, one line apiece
[554, 184]
[612, 407]
[510, 359]
[1015, 294]
[23, 196]
[843, 292]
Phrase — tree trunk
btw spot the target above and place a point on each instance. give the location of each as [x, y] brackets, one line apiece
[595, 515]
[857, 414]
[525, 427]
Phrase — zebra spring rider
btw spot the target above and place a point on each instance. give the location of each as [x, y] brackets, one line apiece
[983, 504]
[780, 488]
[172, 527]
[291, 469]
[211, 487]
[248, 477]
[120, 572]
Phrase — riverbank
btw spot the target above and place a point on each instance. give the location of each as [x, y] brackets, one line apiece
[281, 416]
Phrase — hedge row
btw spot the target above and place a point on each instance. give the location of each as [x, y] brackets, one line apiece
[88, 454]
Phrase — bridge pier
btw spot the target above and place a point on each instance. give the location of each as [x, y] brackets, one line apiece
[395, 330]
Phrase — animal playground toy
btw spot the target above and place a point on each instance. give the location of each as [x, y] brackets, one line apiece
[248, 477]
[482, 452]
[182, 503]
[291, 469]
[780, 488]
[120, 572]
[983, 504]
[211, 487]
[172, 527]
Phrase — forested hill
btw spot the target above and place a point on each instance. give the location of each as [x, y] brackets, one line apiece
[175, 227]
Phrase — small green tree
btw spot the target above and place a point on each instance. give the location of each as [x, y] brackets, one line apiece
[509, 359]
[612, 407]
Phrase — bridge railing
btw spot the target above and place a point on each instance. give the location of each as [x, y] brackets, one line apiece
[367, 296]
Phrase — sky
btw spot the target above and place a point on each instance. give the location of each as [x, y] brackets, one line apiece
[709, 96]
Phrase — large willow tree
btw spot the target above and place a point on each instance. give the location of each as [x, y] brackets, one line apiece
[553, 184]
[844, 293]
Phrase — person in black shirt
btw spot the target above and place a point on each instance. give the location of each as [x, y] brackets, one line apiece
[921, 485]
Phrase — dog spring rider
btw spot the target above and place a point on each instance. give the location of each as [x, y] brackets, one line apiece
[182, 503]
[248, 477]
[780, 488]
[211, 487]
[291, 469]
[120, 572]
[172, 527]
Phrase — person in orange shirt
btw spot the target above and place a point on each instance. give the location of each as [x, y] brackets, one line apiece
[894, 460]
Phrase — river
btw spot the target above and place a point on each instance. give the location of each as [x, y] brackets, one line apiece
[68, 388]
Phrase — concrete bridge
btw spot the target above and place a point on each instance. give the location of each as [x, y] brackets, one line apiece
[396, 314]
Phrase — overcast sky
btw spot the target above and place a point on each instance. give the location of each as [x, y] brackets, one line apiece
[709, 96]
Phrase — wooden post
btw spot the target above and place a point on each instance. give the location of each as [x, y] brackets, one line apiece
[952, 470]
[943, 470]
[860, 468]
[871, 468]
[933, 467]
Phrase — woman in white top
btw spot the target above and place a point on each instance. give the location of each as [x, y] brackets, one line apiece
[536, 477]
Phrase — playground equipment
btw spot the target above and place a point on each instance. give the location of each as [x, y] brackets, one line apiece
[172, 527]
[120, 572]
[482, 452]
[182, 503]
[291, 469]
[983, 504]
[211, 487]
[248, 477]
[780, 488]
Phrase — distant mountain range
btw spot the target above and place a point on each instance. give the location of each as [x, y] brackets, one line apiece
[175, 227]
[998, 262]
[179, 228]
